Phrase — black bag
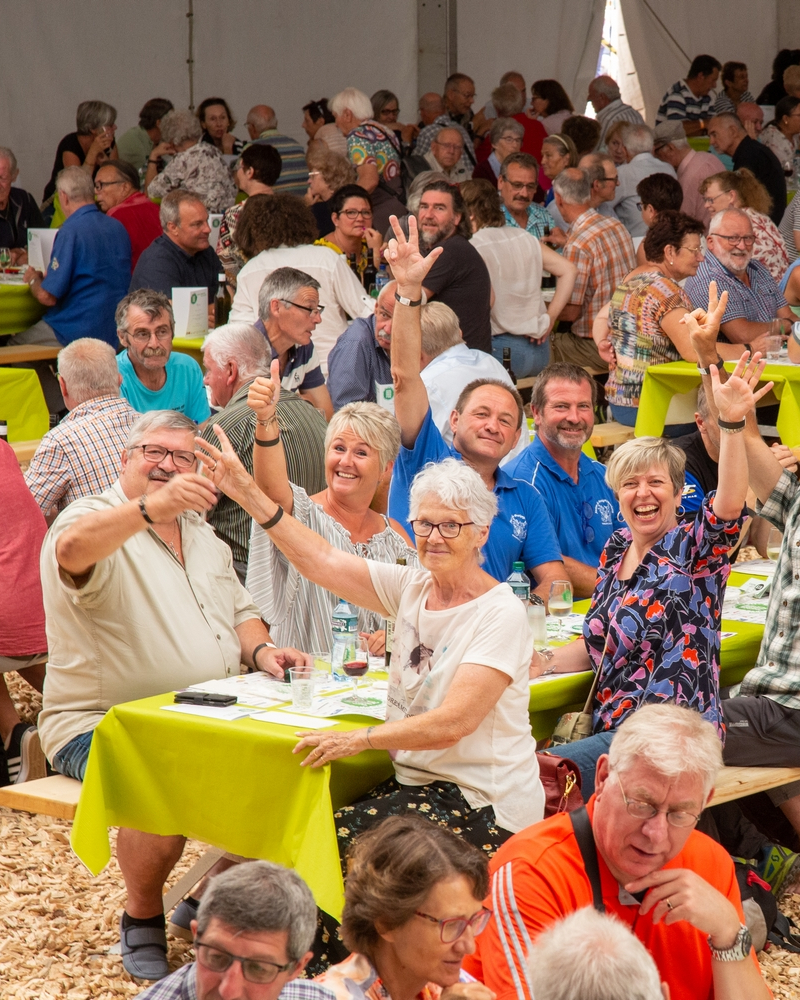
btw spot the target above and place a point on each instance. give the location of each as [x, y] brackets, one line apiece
[764, 920]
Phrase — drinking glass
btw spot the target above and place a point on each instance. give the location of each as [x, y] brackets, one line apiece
[773, 346]
[355, 665]
[302, 680]
[560, 603]
[774, 542]
[5, 258]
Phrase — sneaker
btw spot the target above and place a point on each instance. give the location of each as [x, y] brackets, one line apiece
[24, 755]
[779, 867]
[144, 951]
[180, 923]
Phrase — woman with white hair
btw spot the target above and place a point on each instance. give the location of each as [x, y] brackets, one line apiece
[195, 166]
[457, 710]
[373, 148]
[361, 444]
[652, 630]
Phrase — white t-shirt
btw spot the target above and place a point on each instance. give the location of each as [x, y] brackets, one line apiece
[495, 765]
[341, 293]
[514, 259]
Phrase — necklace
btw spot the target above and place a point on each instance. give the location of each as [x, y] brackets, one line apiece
[177, 538]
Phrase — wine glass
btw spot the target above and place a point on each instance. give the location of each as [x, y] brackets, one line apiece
[774, 542]
[355, 664]
[560, 603]
[5, 258]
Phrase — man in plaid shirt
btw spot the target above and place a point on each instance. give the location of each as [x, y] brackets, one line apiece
[81, 456]
[763, 722]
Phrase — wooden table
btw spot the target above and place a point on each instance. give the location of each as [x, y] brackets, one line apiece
[18, 353]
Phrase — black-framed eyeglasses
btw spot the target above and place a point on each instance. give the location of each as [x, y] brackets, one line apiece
[99, 185]
[156, 454]
[447, 529]
[587, 511]
[452, 928]
[646, 810]
[254, 970]
[319, 310]
[355, 213]
[733, 241]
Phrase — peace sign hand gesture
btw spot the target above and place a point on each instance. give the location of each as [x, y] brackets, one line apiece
[408, 265]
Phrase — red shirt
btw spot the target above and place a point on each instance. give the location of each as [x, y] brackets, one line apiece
[21, 609]
[538, 877]
[140, 218]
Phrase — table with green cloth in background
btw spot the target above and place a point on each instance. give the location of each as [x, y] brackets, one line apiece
[662, 382]
[18, 308]
[22, 404]
[193, 346]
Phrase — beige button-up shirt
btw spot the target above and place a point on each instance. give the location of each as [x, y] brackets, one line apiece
[142, 625]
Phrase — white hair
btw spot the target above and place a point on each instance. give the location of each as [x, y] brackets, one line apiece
[242, 343]
[440, 328]
[76, 184]
[637, 138]
[7, 154]
[354, 99]
[89, 369]
[156, 420]
[455, 485]
[592, 955]
[607, 87]
[719, 218]
[180, 125]
[669, 739]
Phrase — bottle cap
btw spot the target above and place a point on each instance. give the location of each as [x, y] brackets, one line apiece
[518, 567]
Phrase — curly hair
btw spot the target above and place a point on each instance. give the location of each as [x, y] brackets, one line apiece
[751, 192]
[669, 230]
[271, 220]
[392, 868]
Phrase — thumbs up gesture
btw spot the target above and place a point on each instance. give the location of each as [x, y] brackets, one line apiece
[264, 393]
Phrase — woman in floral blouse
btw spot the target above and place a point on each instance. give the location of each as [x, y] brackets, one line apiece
[652, 630]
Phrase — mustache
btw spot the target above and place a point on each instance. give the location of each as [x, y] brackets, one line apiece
[160, 475]
[154, 352]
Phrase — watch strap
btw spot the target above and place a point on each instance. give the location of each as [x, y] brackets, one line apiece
[259, 647]
[707, 371]
[266, 525]
[739, 950]
[407, 302]
[731, 425]
[143, 509]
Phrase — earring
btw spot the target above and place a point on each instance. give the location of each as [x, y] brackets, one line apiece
[620, 518]
[680, 510]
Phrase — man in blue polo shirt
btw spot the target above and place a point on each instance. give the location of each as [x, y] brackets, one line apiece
[153, 376]
[87, 274]
[289, 310]
[582, 506]
[486, 425]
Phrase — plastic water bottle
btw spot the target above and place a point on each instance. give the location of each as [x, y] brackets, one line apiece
[344, 632]
[381, 278]
[519, 582]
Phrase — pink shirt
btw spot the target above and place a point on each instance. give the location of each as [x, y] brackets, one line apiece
[692, 171]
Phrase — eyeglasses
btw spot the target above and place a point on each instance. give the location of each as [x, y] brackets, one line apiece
[519, 186]
[645, 810]
[355, 213]
[156, 454]
[143, 336]
[254, 970]
[451, 929]
[319, 310]
[710, 199]
[511, 138]
[733, 241]
[696, 251]
[447, 529]
[99, 185]
[452, 147]
[587, 511]
[391, 112]
[610, 180]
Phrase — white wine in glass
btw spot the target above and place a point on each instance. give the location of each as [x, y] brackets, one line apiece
[774, 542]
[560, 603]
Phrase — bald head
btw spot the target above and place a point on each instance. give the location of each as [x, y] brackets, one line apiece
[602, 91]
[725, 132]
[752, 117]
[430, 107]
[259, 119]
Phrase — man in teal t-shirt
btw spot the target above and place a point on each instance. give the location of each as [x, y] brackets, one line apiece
[153, 378]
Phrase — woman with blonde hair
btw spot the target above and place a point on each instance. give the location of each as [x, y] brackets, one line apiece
[741, 189]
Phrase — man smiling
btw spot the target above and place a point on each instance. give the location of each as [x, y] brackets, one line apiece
[674, 887]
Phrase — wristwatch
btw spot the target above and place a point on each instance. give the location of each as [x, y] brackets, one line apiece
[739, 950]
[707, 371]
[407, 302]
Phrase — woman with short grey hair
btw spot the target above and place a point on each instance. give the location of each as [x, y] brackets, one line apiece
[457, 707]
[505, 137]
[195, 166]
[90, 145]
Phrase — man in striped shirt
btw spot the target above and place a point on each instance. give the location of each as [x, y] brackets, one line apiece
[80, 457]
[262, 126]
[233, 356]
[690, 101]
[606, 100]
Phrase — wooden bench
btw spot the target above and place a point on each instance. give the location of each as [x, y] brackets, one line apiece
[54, 796]
[736, 782]
[27, 352]
[25, 450]
[610, 433]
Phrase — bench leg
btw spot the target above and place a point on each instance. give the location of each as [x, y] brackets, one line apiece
[192, 877]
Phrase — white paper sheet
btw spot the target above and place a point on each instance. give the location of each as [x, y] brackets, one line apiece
[190, 306]
[214, 221]
[296, 721]
[40, 248]
[228, 714]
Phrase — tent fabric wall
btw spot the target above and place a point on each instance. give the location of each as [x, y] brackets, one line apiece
[731, 29]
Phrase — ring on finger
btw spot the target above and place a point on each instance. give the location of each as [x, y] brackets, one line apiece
[669, 904]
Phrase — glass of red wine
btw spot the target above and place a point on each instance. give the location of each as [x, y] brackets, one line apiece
[355, 665]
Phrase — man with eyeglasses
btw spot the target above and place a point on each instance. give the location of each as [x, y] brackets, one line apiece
[633, 853]
[252, 938]
[116, 186]
[138, 569]
[153, 376]
[445, 155]
[359, 366]
[517, 183]
[756, 306]
[693, 166]
[728, 135]
[450, 112]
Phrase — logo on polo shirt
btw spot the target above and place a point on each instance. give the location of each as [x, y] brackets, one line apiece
[53, 263]
[605, 510]
[519, 526]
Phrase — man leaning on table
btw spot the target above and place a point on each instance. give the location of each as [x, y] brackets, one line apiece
[763, 722]
[139, 570]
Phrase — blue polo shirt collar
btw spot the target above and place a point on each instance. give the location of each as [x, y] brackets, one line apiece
[544, 456]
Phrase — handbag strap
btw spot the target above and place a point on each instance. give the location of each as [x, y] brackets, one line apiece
[585, 838]
[588, 708]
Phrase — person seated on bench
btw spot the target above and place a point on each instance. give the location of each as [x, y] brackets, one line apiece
[582, 506]
[252, 937]
[23, 644]
[139, 570]
[674, 887]
[652, 630]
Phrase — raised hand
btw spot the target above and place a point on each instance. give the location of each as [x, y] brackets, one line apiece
[224, 469]
[703, 325]
[264, 393]
[738, 396]
[408, 265]
[188, 491]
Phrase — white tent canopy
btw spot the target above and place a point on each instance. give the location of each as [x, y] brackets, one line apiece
[261, 51]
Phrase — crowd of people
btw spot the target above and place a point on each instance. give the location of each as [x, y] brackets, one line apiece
[356, 432]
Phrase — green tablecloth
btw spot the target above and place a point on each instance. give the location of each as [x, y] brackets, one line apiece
[662, 382]
[193, 346]
[22, 404]
[18, 309]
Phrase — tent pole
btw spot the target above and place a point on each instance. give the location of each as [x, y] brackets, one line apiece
[190, 60]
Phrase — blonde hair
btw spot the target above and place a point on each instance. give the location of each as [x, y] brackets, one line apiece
[440, 328]
[750, 190]
[644, 453]
[373, 424]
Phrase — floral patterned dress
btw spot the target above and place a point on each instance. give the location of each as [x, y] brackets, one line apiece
[655, 637]
[769, 246]
[357, 979]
